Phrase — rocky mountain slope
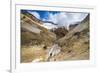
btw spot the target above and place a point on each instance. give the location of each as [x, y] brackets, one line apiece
[38, 42]
[32, 34]
[76, 41]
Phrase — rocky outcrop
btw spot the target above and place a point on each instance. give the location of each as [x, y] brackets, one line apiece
[60, 32]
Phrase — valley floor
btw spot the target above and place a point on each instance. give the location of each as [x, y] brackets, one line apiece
[38, 54]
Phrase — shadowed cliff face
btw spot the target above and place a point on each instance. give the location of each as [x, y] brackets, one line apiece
[37, 41]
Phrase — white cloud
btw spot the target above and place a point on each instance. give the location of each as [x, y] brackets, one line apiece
[36, 14]
[66, 18]
[52, 17]
[62, 19]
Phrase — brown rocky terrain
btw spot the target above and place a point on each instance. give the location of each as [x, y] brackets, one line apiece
[38, 43]
[32, 33]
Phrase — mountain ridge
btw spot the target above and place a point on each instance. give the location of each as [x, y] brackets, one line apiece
[37, 41]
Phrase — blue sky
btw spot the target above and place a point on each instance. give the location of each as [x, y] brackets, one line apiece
[42, 14]
[61, 18]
